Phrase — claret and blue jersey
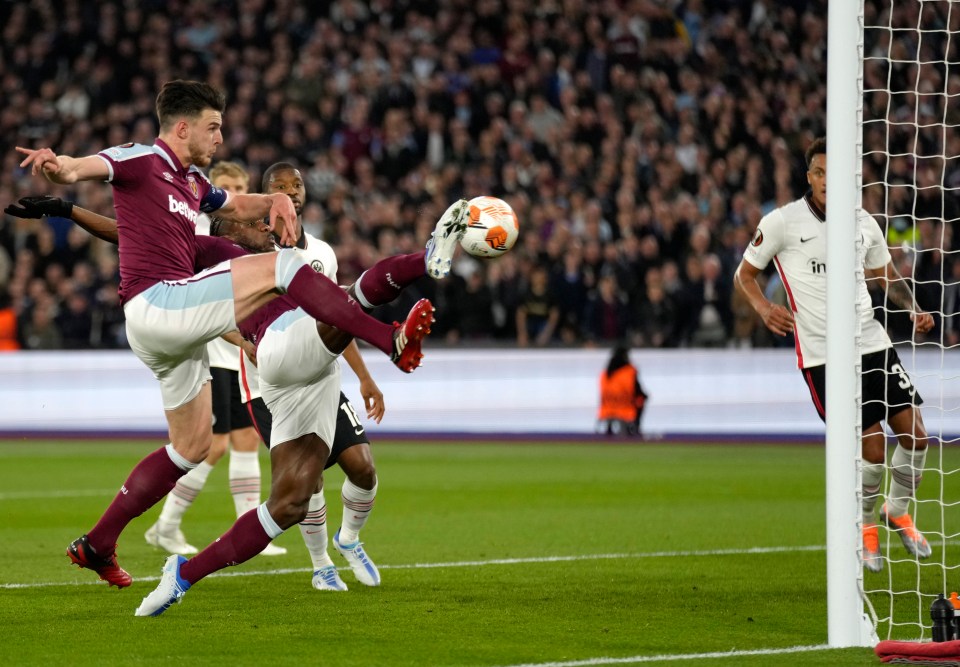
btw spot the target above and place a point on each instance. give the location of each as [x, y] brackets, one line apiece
[145, 180]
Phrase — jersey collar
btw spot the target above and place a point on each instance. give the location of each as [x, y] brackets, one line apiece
[171, 157]
[821, 215]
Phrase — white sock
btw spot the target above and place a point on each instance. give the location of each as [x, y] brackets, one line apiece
[178, 460]
[357, 505]
[906, 471]
[871, 477]
[314, 531]
[270, 527]
[244, 480]
[182, 496]
[361, 298]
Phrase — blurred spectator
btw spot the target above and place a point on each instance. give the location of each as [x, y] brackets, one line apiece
[40, 331]
[537, 312]
[656, 318]
[635, 134]
[606, 315]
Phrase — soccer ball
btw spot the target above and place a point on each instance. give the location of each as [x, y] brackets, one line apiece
[492, 228]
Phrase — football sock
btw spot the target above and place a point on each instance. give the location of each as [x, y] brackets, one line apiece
[383, 282]
[906, 471]
[357, 505]
[314, 531]
[244, 480]
[871, 477]
[325, 301]
[182, 496]
[149, 481]
[248, 536]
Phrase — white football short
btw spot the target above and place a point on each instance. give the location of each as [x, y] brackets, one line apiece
[299, 379]
[169, 324]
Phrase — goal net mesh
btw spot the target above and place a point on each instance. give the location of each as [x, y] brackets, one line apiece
[910, 175]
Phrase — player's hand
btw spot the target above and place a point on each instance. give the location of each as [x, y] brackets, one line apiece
[283, 213]
[922, 322]
[37, 207]
[249, 350]
[40, 160]
[778, 319]
[372, 399]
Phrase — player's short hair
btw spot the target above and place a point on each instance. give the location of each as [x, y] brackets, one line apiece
[231, 169]
[179, 98]
[274, 168]
[819, 146]
[216, 225]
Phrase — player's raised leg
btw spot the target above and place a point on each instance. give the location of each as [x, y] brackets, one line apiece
[256, 277]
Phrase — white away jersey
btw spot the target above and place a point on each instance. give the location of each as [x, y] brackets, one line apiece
[795, 238]
[321, 258]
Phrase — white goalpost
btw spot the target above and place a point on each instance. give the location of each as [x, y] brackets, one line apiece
[846, 623]
[893, 130]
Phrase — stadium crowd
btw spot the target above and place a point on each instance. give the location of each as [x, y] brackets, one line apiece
[640, 142]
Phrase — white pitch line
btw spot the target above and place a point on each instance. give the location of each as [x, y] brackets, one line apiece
[467, 563]
[633, 660]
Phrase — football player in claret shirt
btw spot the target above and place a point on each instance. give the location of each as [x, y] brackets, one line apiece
[794, 238]
[172, 311]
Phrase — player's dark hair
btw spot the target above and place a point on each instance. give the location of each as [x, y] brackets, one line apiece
[818, 146]
[272, 169]
[619, 359]
[216, 225]
[179, 99]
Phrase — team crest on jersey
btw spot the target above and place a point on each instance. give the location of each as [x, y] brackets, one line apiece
[757, 239]
[317, 265]
[168, 177]
[193, 186]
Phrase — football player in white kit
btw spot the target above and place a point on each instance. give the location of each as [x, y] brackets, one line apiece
[794, 238]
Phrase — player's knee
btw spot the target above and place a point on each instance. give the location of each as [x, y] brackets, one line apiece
[290, 509]
[365, 477]
[218, 447]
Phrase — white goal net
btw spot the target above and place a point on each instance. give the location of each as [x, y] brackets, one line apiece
[909, 162]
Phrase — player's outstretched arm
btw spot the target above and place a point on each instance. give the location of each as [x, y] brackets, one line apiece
[777, 318]
[901, 295]
[37, 207]
[372, 396]
[63, 169]
[278, 206]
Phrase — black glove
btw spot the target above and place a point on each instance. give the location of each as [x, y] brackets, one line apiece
[37, 207]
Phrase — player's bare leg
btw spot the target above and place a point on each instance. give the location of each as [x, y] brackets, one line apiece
[297, 467]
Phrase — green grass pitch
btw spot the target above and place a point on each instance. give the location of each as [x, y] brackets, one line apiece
[491, 555]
